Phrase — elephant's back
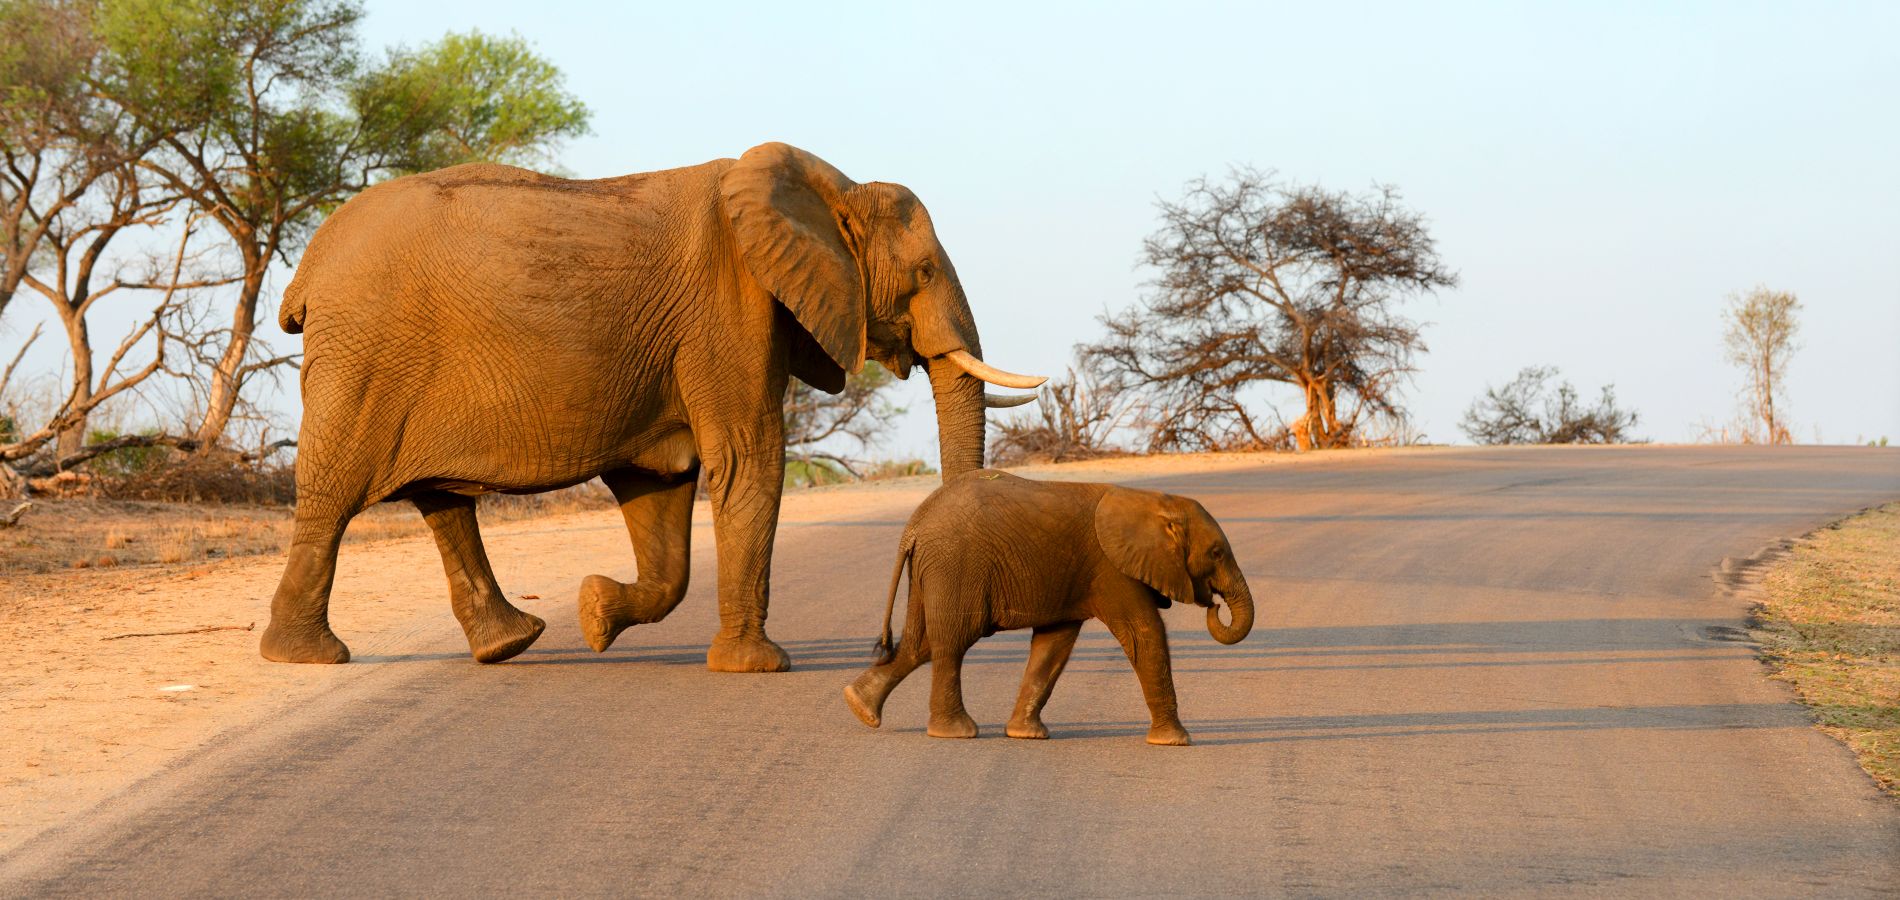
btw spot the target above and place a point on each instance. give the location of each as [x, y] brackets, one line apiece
[484, 249]
[455, 300]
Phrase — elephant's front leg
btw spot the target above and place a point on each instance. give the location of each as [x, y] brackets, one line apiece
[1145, 639]
[744, 482]
[1048, 654]
[496, 630]
[659, 514]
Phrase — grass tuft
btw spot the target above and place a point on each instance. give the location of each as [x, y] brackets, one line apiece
[177, 546]
[1830, 620]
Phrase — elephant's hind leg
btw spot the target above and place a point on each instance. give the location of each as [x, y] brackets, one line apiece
[659, 514]
[867, 694]
[1048, 654]
[496, 630]
[952, 632]
[299, 630]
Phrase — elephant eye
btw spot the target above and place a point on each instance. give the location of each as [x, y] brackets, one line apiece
[1217, 552]
[924, 274]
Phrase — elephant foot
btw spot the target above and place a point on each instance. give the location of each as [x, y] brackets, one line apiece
[1169, 734]
[608, 608]
[1027, 729]
[957, 726]
[746, 654]
[502, 636]
[604, 612]
[867, 711]
[302, 645]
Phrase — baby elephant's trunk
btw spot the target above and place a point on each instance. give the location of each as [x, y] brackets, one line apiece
[1240, 608]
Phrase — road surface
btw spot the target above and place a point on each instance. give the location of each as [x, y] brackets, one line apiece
[1485, 671]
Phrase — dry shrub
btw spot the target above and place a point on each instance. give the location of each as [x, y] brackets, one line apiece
[897, 468]
[584, 496]
[116, 538]
[1075, 418]
[217, 477]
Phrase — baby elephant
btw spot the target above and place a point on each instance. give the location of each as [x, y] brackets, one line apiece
[990, 551]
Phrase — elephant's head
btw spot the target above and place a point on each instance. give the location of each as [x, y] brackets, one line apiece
[1172, 545]
[860, 269]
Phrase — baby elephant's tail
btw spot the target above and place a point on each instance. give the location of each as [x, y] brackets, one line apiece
[886, 650]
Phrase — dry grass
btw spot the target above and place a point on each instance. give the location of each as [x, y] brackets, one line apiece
[62, 534]
[1831, 622]
[178, 545]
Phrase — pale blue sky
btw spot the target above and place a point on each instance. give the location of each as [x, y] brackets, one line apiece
[1600, 174]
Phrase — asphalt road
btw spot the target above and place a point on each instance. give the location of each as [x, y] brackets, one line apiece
[1474, 671]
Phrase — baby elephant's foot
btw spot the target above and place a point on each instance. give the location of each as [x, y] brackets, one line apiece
[504, 634]
[1168, 734]
[868, 710]
[317, 644]
[957, 726]
[1028, 728]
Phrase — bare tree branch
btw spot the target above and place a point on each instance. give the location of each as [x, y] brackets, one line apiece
[6, 378]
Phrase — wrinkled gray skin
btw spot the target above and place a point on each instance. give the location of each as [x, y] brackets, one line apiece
[990, 551]
[485, 328]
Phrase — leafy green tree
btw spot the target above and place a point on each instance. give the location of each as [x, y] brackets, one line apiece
[817, 423]
[71, 192]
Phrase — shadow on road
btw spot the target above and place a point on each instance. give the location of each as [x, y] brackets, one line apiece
[1564, 642]
[1284, 729]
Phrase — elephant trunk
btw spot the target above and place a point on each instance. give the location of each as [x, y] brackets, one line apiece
[1239, 608]
[960, 421]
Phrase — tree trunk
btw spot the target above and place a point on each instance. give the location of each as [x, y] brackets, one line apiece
[79, 340]
[227, 377]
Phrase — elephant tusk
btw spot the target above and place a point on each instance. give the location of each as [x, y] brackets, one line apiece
[981, 370]
[1002, 401]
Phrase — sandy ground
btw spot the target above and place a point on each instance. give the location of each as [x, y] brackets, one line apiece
[85, 715]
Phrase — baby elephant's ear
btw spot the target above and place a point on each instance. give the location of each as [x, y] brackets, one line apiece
[1146, 540]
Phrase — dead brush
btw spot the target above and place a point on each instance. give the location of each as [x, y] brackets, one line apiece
[117, 539]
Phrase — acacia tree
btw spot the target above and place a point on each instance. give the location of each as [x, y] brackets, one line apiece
[1761, 328]
[1528, 410]
[1264, 282]
[73, 194]
[296, 122]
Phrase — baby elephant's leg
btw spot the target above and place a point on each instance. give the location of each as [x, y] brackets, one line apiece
[866, 695]
[1048, 653]
[951, 635]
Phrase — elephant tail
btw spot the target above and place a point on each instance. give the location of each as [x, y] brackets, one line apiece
[290, 312]
[886, 649]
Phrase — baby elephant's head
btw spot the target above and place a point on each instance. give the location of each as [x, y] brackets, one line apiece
[1172, 545]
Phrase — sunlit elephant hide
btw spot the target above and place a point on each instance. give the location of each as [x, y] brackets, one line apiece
[486, 328]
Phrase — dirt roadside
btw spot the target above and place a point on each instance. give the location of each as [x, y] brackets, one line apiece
[85, 717]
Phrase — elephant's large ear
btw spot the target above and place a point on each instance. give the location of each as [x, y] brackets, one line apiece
[1146, 540]
[787, 214]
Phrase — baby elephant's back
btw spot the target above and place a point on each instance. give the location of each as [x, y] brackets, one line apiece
[985, 518]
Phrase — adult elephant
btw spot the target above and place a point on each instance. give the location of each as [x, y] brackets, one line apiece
[485, 328]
